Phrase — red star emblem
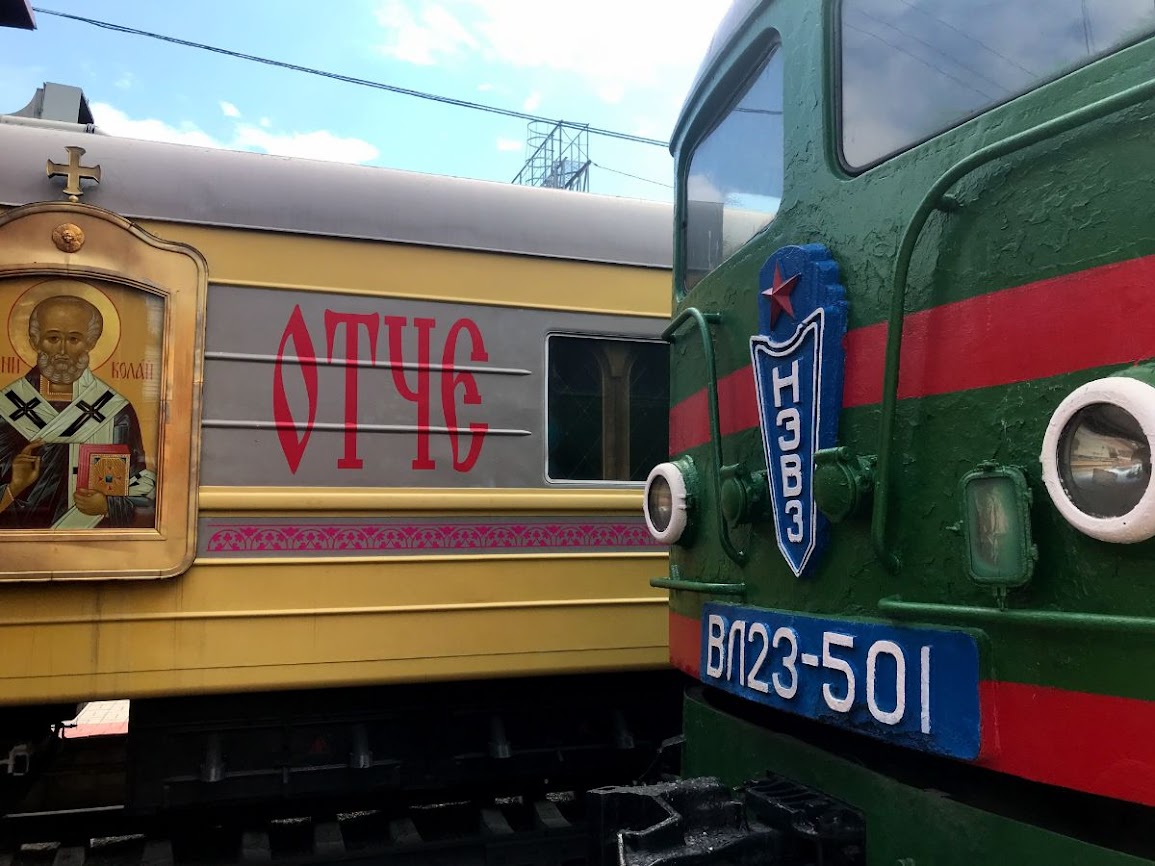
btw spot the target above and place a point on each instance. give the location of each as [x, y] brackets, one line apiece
[779, 295]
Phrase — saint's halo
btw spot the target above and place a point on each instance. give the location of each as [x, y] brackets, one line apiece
[26, 303]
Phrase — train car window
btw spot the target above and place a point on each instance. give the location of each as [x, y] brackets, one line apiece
[734, 180]
[913, 68]
[607, 408]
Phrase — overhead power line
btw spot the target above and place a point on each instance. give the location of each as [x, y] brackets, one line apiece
[349, 79]
[634, 176]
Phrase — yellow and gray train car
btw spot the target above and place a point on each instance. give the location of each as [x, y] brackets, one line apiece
[335, 471]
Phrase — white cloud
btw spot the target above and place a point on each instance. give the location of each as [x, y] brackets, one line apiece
[424, 36]
[116, 122]
[612, 92]
[485, 88]
[509, 144]
[649, 128]
[601, 42]
[125, 81]
[701, 188]
[265, 122]
[318, 144]
[229, 110]
[531, 102]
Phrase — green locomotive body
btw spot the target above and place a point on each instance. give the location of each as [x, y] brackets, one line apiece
[909, 494]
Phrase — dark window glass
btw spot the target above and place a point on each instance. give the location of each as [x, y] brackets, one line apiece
[607, 408]
[912, 68]
[734, 181]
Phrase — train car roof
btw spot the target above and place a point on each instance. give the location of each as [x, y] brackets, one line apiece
[206, 186]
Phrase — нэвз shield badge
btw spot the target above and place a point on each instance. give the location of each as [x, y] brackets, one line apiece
[798, 360]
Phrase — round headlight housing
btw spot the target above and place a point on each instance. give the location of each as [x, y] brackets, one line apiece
[660, 503]
[666, 508]
[1097, 459]
[1104, 460]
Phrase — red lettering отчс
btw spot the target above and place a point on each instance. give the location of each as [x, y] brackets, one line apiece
[293, 445]
[419, 395]
[450, 380]
[352, 323]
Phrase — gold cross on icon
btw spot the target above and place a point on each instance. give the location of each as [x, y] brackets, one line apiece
[75, 172]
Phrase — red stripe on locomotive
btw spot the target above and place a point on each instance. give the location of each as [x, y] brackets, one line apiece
[1017, 328]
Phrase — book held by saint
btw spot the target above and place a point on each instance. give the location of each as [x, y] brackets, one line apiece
[105, 469]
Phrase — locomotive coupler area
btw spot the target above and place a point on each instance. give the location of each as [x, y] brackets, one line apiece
[770, 821]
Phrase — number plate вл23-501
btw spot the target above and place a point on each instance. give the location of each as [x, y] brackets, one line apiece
[915, 687]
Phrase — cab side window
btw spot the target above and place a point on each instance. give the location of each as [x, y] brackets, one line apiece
[734, 179]
[913, 68]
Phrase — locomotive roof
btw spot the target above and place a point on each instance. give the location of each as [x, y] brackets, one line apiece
[179, 183]
[732, 22]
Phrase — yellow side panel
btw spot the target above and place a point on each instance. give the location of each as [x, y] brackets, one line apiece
[256, 624]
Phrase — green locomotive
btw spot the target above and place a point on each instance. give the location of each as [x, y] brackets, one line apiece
[913, 406]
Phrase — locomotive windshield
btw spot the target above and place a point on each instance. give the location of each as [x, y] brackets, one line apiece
[734, 183]
[913, 68]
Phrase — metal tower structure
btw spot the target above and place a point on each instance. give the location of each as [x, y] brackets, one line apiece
[558, 156]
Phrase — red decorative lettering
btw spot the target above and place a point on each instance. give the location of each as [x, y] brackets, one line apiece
[352, 323]
[411, 378]
[450, 380]
[292, 444]
[419, 395]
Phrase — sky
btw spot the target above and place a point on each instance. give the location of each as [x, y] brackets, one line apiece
[624, 65]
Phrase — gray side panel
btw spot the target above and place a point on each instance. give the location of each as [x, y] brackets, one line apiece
[271, 420]
[151, 180]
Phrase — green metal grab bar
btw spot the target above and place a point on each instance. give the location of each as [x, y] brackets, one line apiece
[936, 198]
[676, 581]
[1054, 619]
[699, 586]
[701, 319]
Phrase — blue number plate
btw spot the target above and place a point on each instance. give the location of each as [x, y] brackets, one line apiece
[915, 687]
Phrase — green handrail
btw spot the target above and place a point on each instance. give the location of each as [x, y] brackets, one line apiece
[698, 586]
[1057, 619]
[700, 319]
[676, 581]
[935, 198]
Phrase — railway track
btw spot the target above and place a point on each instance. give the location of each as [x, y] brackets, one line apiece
[510, 832]
[75, 816]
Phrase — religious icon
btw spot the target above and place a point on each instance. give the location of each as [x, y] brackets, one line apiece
[100, 379]
[72, 454]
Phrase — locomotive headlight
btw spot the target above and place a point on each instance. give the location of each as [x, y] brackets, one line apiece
[997, 526]
[1097, 458]
[667, 493]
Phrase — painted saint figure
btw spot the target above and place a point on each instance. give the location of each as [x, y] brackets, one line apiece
[71, 452]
